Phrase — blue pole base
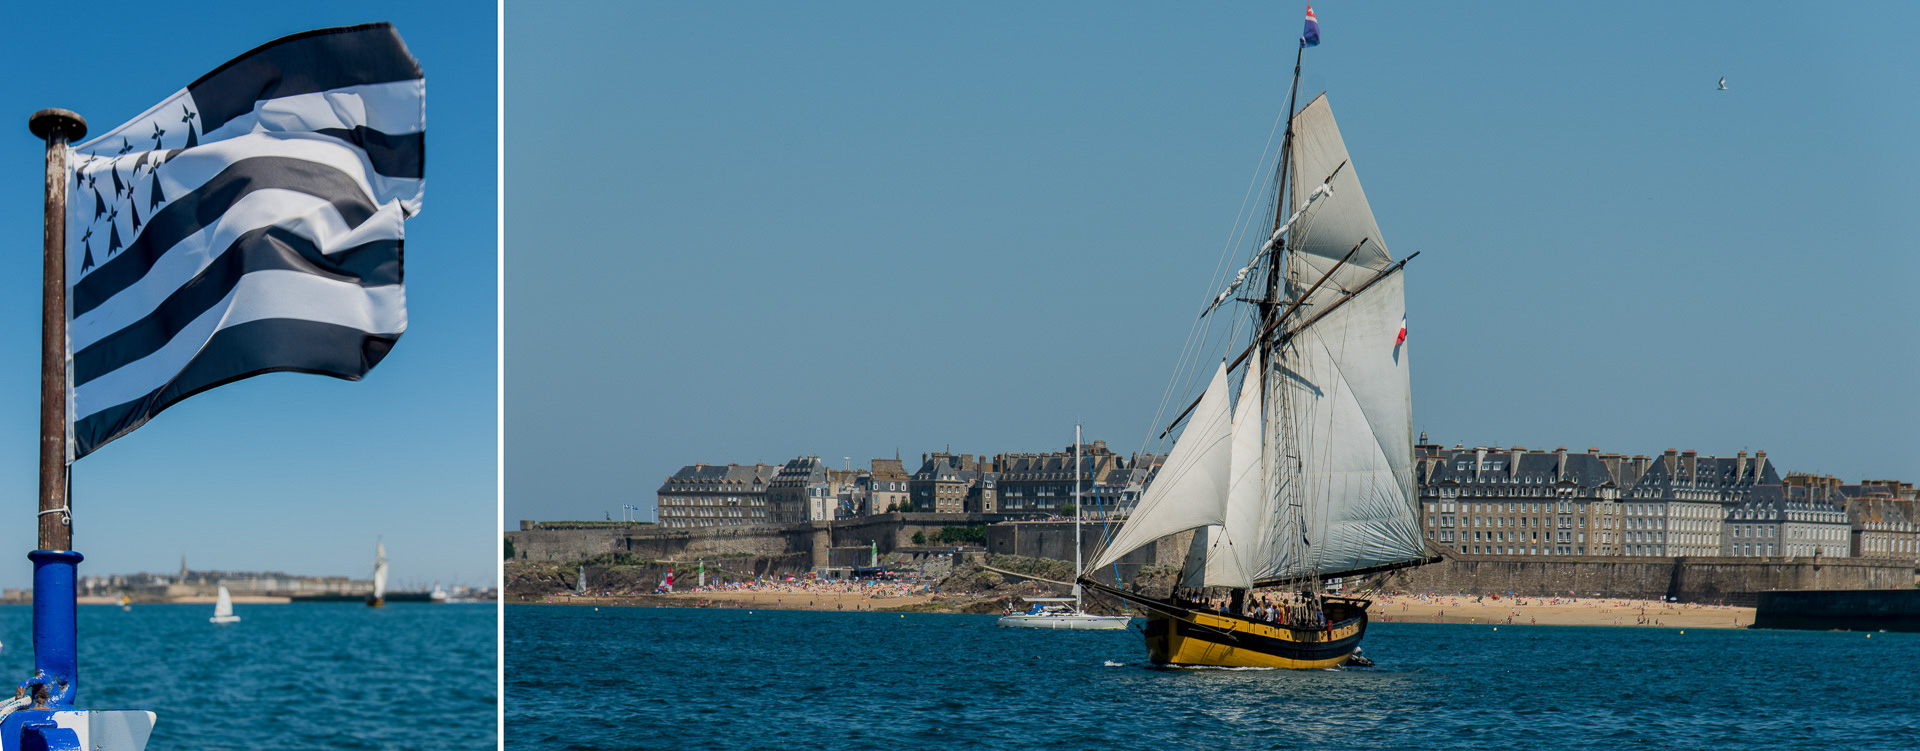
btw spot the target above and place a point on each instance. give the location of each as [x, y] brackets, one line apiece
[76, 730]
[56, 657]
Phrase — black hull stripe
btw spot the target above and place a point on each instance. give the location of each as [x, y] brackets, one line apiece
[403, 155]
[1267, 644]
[205, 205]
[305, 63]
[266, 249]
[243, 351]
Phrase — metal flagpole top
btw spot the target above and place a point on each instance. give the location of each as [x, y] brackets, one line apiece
[46, 121]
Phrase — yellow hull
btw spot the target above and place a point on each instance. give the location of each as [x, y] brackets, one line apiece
[1205, 639]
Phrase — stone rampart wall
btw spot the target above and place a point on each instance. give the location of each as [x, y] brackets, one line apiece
[1055, 540]
[572, 541]
[1734, 581]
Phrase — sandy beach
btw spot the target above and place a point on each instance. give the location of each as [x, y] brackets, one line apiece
[1557, 611]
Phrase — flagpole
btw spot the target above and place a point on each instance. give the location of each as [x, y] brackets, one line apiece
[55, 652]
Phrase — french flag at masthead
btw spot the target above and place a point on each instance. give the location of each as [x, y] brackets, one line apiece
[1401, 338]
[1310, 37]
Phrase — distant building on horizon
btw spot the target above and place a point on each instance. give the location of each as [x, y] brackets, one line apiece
[711, 495]
[1493, 501]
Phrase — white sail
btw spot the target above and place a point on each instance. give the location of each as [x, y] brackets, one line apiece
[223, 609]
[1343, 429]
[1210, 561]
[379, 570]
[1220, 554]
[1191, 489]
[1333, 225]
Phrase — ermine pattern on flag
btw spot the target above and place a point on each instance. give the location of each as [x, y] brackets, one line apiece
[253, 222]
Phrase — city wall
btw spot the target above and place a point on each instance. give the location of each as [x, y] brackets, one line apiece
[571, 541]
[1733, 581]
[1054, 539]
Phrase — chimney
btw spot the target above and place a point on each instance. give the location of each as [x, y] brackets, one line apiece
[1671, 459]
[1479, 458]
[1740, 465]
[1690, 463]
[1513, 463]
[1560, 470]
[1759, 466]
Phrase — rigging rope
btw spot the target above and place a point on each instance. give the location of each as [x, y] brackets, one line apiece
[1242, 219]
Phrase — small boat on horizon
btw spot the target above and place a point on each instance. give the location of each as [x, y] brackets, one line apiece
[379, 597]
[223, 609]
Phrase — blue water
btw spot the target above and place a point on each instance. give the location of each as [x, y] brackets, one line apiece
[306, 676]
[644, 678]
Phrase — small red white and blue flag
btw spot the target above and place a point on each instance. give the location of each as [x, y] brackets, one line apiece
[1402, 337]
[1310, 37]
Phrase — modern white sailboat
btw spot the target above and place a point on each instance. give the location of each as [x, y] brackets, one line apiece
[223, 609]
[379, 596]
[1052, 612]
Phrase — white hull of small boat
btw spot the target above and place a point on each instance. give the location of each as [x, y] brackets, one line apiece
[1070, 621]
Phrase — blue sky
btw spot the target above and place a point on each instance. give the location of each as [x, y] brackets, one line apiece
[754, 231]
[282, 472]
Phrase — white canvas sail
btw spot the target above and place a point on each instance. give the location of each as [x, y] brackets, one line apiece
[223, 608]
[1221, 554]
[1334, 224]
[1345, 433]
[380, 571]
[1191, 489]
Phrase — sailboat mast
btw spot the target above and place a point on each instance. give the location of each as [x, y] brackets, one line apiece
[1076, 516]
[1271, 309]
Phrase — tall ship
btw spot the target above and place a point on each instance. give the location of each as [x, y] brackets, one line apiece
[1295, 465]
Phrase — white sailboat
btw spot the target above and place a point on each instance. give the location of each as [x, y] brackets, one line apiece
[379, 596]
[1052, 612]
[223, 609]
[1308, 475]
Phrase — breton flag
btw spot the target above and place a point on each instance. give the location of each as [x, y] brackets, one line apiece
[1311, 36]
[1401, 338]
[250, 223]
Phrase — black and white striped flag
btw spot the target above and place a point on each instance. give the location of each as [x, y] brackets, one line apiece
[251, 223]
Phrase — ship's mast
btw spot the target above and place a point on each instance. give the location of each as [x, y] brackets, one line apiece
[1077, 504]
[1270, 310]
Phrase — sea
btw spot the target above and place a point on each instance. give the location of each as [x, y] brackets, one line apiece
[293, 676]
[675, 678]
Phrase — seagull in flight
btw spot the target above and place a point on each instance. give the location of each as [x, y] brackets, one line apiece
[1723, 83]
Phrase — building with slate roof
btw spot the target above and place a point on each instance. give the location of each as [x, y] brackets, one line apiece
[1883, 524]
[1789, 520]
[945, 481]
[711, 495]
[1679, 504]
[882, 489]
[1491, 501]
[805, 489]
[1043, 484]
